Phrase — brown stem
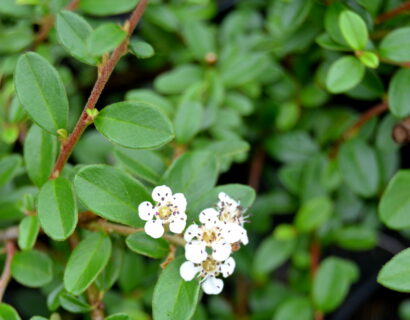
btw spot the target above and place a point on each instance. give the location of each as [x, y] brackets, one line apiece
[314, 266]
[10, 233]
[95, 300]
[399, 64]
[349, 133]
[392, 13]
[48, 23]
[170, 256]
[6, 275]
[255, 173]
[104, 74]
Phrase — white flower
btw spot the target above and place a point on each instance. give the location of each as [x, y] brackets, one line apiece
[169, 209]
[231, 214]
[208, 271]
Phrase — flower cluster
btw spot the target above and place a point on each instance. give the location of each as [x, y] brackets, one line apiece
[208, 245]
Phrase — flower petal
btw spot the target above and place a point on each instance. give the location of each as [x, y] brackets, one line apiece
[161, 193]
[228, 267]
[209, 216]
[177, 225]
[195, 251]
[191, 232]
[221, 250]
[244, 237]
[212, 285]
[188, 270]
[154, 228]
[232, 232]
[179, 201]
[146, 210]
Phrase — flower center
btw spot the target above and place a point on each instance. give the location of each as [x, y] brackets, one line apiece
[164, 212]
[209, 265]
[209, 236]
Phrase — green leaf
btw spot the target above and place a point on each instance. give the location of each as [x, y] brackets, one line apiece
[394, 207]
[395, 274]
[332, 283]
[41, 92]
[141, 49]
[111, 272]
[332, 24]
[28, 231]
[178, 79]
[110, 193]
[174, 298]
[151, 97]
[356, 237]
[134, 125]
[40, 151]
[294, 308]
[359, 167]
[119, 316]
[38, 318]
[8, 313]
[188, 120]
[369, 59]
[199, 38]
[32, 268]
[143, 244]
[353, 29]
[86, 261]
[106, 7]
[57, 208]
[344, 74]
[313, 213]
[396, 45]
[326, 42]
[105, 38]
[72, 31]
[399, 93]
[74, 304]
[9, 166]
[271, 253]
[193, 174]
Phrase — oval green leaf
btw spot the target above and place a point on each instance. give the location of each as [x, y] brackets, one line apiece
[86, 261]
[41, 92]
[399, 93]
[57, 208]
[106, 7]
[353, 29]
[344, 74]
[143, 244]
[28, 231]
[314, 213]
[134, 125]
[395, 274]
[110, 193]
[9, 166]
[396, 45]
[105, 38]
[8, 313]
[141, 49]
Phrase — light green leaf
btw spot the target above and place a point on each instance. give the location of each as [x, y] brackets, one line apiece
[105, 38]
[9, 166]
[174, 298]
[188, 120]
[369, 59]
[394, 207]
[399, 93]
[356, 237]
[32, 268]
[28, 231]
[8, 313]
[57, 208]
[143, 244]
[41, 92]
[395, 274]
[151, 97]
[110, 193]
[40, 151]
[134, 125]
[199, 38]
[86, 261]
[74, 304]
[118, 316]
[344, 74]
[396, 45]
[178, 79]
[73, 31]
[141, 49]
[294, 308]
[314, 213]
[353, 29]
[193, 174]
[106, 7]
[359, 167]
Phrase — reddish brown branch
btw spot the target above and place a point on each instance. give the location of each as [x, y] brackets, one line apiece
[349, 133]
[95, 299]
[48, 22]
[392, 13]
[255, 173]
[6, 275]
[105, 72]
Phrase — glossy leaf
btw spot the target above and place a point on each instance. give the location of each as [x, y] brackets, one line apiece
[141, 243]
[106, 7]
[356, 238]
[7, 312]
[344, 74]
[141, 49]
[86, 261]
[110, 193]
[28, 231]
[313, 214]
[353, 29]
[399, 95]
[74, 304]
[9, 166]
[181, 304]
[134, 125]
[396, 45]
[188, 120]
[395, 274]
[105, 38]
[41, 91]
[57, 208]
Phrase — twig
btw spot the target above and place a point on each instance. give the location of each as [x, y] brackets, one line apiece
[399, 64]
[48, 23]
[104, 74]
[255, 173]
[170, 256]
[392, 13]
[349, 133]
[314, 266]
[95, 299]
[6, 275]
